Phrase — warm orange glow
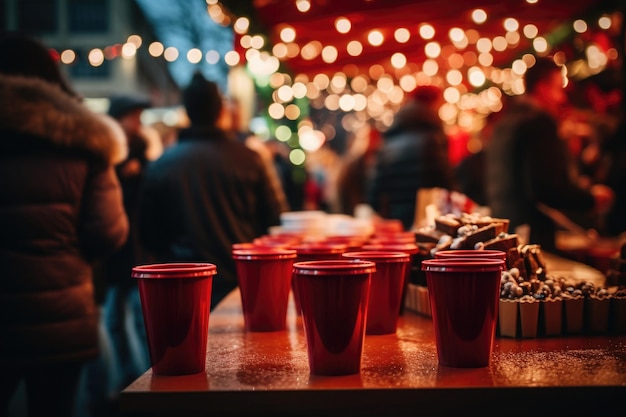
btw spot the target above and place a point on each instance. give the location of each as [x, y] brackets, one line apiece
[68, 56]
[359, 83]
[511, 24]
[479, 16]
[580, 26]
[231, 58]
[241, 25]
[604, 22]
[456, 34]
[398, 60]
[135, 40]
[311, 50]
[430, 67]
[343, 25]
[375, 38]
[279, 50]
[354, 48]
[288, 34]
[303, 5]
[456, 61]
[402, 35]
[432, 49]
[499, 43]
[329, 54]
[194, 55]
[530, 31]
[156, 49]
[427, 31]
[540, 44]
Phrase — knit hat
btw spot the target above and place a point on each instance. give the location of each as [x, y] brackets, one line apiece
[24, 55]
[120, 105]
[202, 100]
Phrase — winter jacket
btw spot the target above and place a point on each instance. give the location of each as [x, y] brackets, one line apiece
[414, 156]
[527, 163]
[60, 210]
[202, 195]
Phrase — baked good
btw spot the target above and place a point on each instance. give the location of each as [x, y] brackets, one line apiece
[503, 241]
[468, 236]
[428, 234]
[448, 224]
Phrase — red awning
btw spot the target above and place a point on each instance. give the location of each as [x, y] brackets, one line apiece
[552, 18]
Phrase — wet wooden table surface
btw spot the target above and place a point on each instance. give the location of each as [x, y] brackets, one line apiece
[267, 374]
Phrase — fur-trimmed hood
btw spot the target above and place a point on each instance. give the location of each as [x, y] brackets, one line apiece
[35, 107]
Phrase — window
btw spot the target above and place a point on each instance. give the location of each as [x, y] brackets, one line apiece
[88, 16]
[37, 16]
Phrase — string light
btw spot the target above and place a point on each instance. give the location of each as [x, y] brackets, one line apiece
[442, 64]
[288, 34]
[343, 25]
[303, 5]
[426, 31]
[170, 54]
[156, 49]
[375, 38]
[68, 56]
[96, 57]
[241, 25]
[402, 35]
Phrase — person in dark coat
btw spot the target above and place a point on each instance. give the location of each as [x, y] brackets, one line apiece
[205, 193]
[528, 166]
[414, 155]
[60, 211]
[356, 170]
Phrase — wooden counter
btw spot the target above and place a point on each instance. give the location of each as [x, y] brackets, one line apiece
[267, 374]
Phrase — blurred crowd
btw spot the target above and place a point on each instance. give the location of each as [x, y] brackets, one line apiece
[87, 196]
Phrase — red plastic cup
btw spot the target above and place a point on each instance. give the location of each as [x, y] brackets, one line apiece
[279, 241]
[393, 237]
[464, 295]
[471, 253]
[318, 251]
[382, 226]
[264, 276]
[176, 300]
[353, 242]
[334, 299]
[412, 249]
[244, 245]
[386, 288]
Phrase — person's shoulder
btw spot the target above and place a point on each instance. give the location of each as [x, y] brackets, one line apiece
[35, 107]
[526, 109]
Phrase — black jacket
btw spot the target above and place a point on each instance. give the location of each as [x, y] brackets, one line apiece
[60, 209]
[414, 155]
[202, 195]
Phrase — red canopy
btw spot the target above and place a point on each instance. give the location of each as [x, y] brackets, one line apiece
[552, 18]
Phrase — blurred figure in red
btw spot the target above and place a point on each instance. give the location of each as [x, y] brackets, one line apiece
[529, 177]
[604, 93]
